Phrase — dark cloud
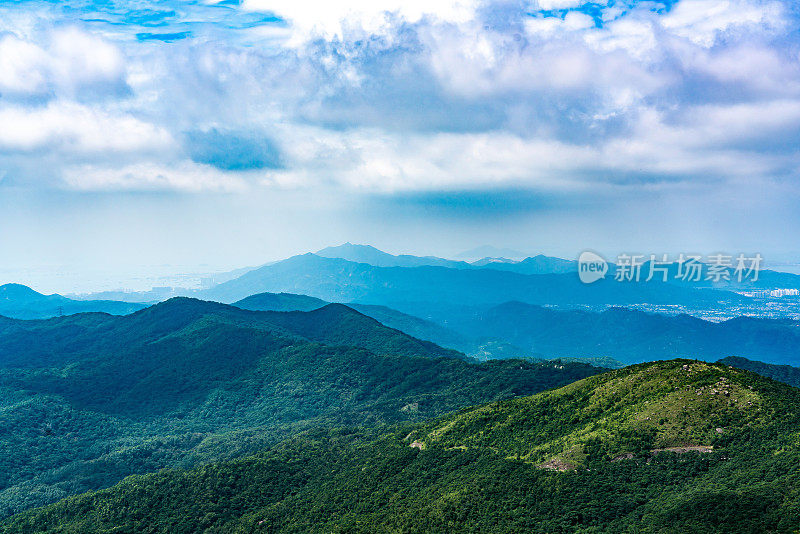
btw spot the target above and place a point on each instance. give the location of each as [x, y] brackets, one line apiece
[165, 37]
[233, 151]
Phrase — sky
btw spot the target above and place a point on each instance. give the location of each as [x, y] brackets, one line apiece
[148, 138]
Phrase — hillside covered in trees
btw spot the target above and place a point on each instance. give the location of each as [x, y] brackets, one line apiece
[88, 399]
[667, 447]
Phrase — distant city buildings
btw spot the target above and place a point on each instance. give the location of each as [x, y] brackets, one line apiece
[766, 293]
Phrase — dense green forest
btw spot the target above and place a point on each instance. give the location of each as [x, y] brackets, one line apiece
[782, 373]
[89, 399]
[408, 324]
[610, 453]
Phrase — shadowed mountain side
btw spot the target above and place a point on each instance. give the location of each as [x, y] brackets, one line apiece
[632, 336]
[409, 324]
[782, 373]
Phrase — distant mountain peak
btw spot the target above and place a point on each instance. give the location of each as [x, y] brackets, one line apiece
[186, 307]
[358, 253]
[490, 261]
[375, 257]
[17, 290]
[347, 247]
[22, 302]
[489, 251]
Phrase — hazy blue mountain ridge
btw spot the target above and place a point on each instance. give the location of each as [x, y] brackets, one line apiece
[22, 302]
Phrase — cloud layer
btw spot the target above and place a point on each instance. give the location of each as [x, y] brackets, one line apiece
[389, 97]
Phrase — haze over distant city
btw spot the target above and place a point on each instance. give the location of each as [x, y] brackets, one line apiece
[205, 136]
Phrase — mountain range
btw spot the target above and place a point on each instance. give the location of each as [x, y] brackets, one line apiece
[416, 285]
[288, 411]
[665, 447]
[426, 287]
[88, 399]
[368, 254]
[520, 330]
[428, 290]
[632, 336]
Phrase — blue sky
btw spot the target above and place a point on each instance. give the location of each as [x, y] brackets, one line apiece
[232, 133]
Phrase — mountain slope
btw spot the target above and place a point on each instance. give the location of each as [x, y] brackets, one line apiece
[409, 324]
[419, 328]
[632, 336]
[782, 373]
[337, 324]
[22, 302]
[647, 407]
[538, 264]
[476, 471]
[88, 399]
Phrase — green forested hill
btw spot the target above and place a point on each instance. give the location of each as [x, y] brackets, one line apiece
[280, 302]
[659, 405]
[782, 373]
[409, 324]
[86, 400]
[481, 470]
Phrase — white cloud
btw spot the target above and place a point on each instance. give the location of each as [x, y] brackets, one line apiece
[189, 177]
[23, 66]
[64, 61]
[755, 67]
[575, 20]
[702, 144]
[739, 123]
[493, 64]
[373, 161]
[404, 96]
[703, 21]
[372, 17]
[636, 37]
[80, 60]
[558, 4]
[78, 129]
